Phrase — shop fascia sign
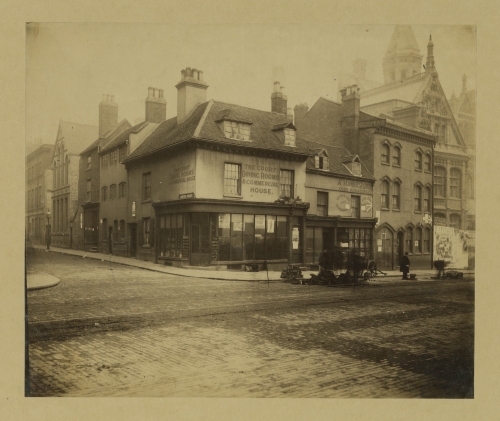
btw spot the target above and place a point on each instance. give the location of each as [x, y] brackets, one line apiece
[371, 123]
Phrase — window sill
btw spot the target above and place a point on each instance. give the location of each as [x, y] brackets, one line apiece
[396, 210]
[427, 172]
[396, 165]
[233, 196]
[420, 212]
[385, 209]
[385, 163]
[416, 169]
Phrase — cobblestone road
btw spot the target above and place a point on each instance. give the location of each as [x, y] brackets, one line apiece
[401, 340]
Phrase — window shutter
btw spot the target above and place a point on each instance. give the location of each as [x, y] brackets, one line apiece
[151, 232]
[316, 161]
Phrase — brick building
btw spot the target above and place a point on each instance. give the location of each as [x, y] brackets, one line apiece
[38, 187]
[72, 138]
[399, 157]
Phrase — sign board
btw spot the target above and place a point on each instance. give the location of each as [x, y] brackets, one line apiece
[224, 220]
[371, 123]
[133, 209]
[214, 256]
[260, 222]
[427, 218]
[295, 238]
[185, 246]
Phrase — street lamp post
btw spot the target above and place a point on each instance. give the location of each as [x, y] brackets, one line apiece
[48, 229]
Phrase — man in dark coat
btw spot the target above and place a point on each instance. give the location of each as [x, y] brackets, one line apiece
[405, 265]
[323, 262]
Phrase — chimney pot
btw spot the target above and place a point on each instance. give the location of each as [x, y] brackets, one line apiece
[183, 74]
[276, 87]
[188, 72]
[195, 74]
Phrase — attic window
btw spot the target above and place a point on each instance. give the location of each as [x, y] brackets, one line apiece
[289, 137]
[356, 168]
[235, 130]
[321, 162]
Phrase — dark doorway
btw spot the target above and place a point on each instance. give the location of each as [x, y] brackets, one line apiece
[200, 240]
[400, 247]
[329, 246]
[133, 239]
[384, 249]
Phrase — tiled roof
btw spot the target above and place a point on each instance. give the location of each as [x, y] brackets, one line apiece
[108, 136]
[202, 124]
[336, 157]
[123, 136]
[77, 137]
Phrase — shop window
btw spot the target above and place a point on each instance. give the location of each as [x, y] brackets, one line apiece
[427, 162]
[113, 157]
[418, 161]
[260, 237]
[235, 130]
[455, 221]
[396, 196]
[248, 237]
[289, 137]
[286, 184]
[322, 203]
[439, 182]
[89, 162]
[122, 190]
[122, 230]
[418, 240]
[427, 199]
[232, 179]
[104, 194]
[112, 192]
[314, 244]
[455, 183]
[146, 186]
[236, 236]
[384, 197]
[122, 152]
[409, 240]
[89, 190]
[146, 234]
[427, 240]
[418, 198]
[396, 156]
[270, 237]
[355, 206]
[385, 154]
[171, 235]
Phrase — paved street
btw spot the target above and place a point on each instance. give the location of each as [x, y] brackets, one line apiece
[111, 330]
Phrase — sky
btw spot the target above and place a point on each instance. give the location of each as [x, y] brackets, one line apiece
[69, 66]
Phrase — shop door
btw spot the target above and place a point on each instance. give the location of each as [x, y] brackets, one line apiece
[200, 240]
[133, 239]
[384, 249]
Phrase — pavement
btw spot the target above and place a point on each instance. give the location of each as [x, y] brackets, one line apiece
[222, 275]
[40, 280]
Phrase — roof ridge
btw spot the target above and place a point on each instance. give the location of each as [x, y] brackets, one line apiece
[203, 118]
[249, 108]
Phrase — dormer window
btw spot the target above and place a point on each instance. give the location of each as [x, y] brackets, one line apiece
[236, 130]
[353, 165]
[289, 137]
[356, 168]
[321, 161]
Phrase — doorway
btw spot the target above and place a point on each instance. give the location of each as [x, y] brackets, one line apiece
[384, 249]
[132, 232]
[110, 240]
[200, 240]
[399, 247]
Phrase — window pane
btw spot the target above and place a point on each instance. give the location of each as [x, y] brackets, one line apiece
[232, 178]
[248, 237]
[270, 237]
[260, 231]
[236, 236]
[286, 183]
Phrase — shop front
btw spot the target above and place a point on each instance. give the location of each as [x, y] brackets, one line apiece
[197, 232]
[345, 240]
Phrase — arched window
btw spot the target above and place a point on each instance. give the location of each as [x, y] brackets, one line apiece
[384, 197]
[427, 199]
[396, 195]
[427, 240]
[470, 186]
[409, 240]
[385, 153]
[122, 190]
[396, 156]
[418, 240]
[455, 183]
[439, 182]
[418, 198]
[427, 162]
[418, 160]
[104, 194]
[112, 192]
[122, 230]
[455, 221]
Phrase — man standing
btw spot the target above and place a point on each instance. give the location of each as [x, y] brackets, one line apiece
[405, 265]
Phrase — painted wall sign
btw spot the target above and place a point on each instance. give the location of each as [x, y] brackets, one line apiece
[354, 186]
[343, 202]
[261, 178]
[182, 174]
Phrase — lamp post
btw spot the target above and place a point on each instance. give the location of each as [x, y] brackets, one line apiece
[48, 229]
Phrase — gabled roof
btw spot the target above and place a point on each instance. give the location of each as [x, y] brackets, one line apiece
[75, 136]
[336, 158]
[108, 136]
[203, 124]
[123, 136]
[281, 126]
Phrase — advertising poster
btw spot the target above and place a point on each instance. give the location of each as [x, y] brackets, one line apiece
[451, 245]
[295, 238]
[224, 220]
[260, 222]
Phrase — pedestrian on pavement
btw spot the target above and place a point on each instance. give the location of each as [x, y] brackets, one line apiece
[323, 261]
[405, 265]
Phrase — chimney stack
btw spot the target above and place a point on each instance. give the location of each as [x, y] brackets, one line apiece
[350, 118]
[289, 114]
[108, 114]
[156, 106]
[191, 91]
[300, 111]
[279, 99]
